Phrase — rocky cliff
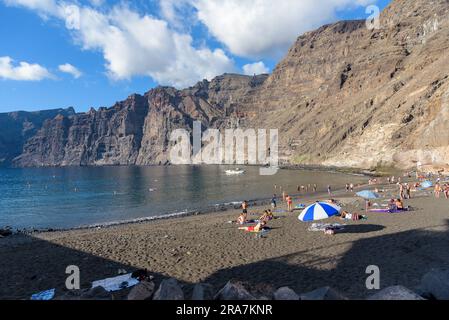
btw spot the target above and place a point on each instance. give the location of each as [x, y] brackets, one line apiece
[344, 95]
[17, 127]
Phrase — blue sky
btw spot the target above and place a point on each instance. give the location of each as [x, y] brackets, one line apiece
[93, 53]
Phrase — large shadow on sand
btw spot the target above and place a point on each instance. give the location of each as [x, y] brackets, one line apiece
[29, 265]
[403, 258]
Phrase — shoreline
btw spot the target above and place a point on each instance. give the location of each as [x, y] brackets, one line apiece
[182, 213]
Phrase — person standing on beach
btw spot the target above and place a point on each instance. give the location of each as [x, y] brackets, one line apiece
[347, 187]
[437, 190]
[289, 204]
[283, 196]
[273, 202]
[401, 191]
[329, 190]
[315, 188]
[408, 190]
[245, 208]
[351, 187]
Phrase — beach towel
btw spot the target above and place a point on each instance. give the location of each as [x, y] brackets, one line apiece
[44, 295]
[387, 211]
[325, 226]
[117, 283]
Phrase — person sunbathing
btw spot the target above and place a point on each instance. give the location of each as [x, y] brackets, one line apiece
[399, 205]
[257, 228]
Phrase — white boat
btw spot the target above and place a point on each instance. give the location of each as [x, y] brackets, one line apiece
[235, 172]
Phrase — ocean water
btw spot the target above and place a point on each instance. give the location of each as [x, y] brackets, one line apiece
[85, 196]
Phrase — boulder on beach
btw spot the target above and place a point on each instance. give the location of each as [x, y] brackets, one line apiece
[325, 293]
[203, 291]
[285, 293]
[142, 291]
[436, 284]
[395, 293]
[6, 232]
[234, 291]
[169, 290]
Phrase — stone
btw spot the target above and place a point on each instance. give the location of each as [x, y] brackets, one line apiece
[395, 293]
[436, 283]
[285, 293]
[234, 291]
[325, 293]
[142, 291]
[203, 291]
[169, 290]
[5, 233]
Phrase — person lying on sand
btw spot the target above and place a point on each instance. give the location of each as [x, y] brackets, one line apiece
[257, 228]
[351, 216]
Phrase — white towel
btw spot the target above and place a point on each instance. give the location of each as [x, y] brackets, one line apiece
[116, 283]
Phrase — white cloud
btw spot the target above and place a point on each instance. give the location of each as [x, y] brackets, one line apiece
[266, 28]
[70, 69]
[255, 68]
[24, 71]
[47, 7]
[140, 45]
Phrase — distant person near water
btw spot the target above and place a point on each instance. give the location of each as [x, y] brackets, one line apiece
[273, 201]
[245, 207]
[289, 203]
[329, 190]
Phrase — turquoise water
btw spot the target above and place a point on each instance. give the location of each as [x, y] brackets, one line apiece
[74, 197]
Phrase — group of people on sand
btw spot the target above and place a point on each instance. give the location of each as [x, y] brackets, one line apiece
[260, 224]
[441, 189]
[405, 191]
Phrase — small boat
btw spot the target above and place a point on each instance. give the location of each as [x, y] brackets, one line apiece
[236, 171]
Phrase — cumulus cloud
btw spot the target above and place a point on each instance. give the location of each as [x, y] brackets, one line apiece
[255, 68]
[23, 71]
[266, 28]
[70, 69]
[139, 45]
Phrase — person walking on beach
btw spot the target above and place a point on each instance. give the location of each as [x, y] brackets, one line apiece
[315, 187]
[347, 187]
[351, 187]
[273, 202]
[283, 196]
[329, 190]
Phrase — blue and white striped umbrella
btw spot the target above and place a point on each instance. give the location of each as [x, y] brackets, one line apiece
[319, 211]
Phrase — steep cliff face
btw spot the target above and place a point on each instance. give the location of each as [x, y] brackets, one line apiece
[17, 127]
[348, 96]
[344, 95]
[137, 130]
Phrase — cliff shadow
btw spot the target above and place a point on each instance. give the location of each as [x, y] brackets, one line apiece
[403, 258]
[30, 265]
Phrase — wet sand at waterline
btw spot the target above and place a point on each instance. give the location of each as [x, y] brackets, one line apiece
[206, 248]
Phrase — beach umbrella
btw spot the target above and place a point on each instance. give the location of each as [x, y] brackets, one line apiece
[427, 184]
[367, 194]
[319, 211]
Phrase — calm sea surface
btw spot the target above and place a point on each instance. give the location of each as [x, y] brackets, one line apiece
[74, 197]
